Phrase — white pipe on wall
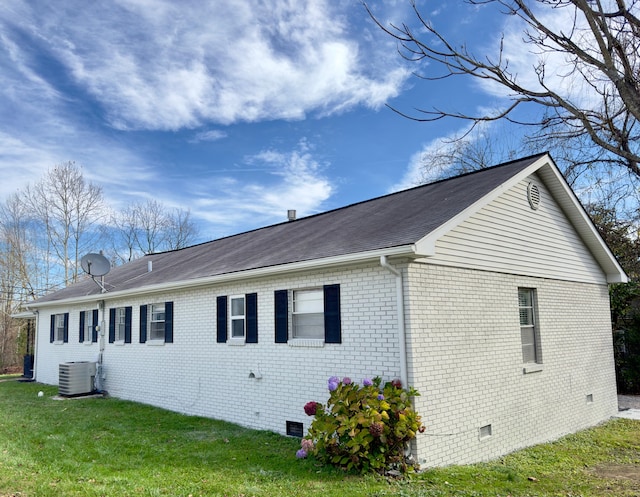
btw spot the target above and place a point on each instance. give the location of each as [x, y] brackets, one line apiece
[404, 377]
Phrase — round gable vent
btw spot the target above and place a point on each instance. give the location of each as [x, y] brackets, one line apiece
[533, 195]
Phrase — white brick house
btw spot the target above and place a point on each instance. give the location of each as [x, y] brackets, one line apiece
[487, 292]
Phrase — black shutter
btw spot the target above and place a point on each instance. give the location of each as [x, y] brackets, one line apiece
[127, 324]
[281, 304]
[221, 319]
[143, 324]
[82, 326]
[66, 327]
[52, 330]
[168, 322]
[112, 325]
[251, 302]
[332, 326]
[94, 330]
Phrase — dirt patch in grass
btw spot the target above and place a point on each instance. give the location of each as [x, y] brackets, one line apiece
[614, 471]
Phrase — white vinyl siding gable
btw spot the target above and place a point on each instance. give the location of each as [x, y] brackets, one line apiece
[508, 236]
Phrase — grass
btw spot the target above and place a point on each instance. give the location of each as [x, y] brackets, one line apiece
[109, 447]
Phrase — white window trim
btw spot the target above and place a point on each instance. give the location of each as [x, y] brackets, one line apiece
[58, 340]
[306, 342]
[150, 339]
[536, 365]
[295, 341]
[117, 340]
[88, 330]
[237, 340]
[533, 367]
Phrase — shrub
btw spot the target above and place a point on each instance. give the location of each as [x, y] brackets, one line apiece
[363, 428]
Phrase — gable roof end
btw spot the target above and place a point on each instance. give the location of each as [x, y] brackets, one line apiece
[566, 199]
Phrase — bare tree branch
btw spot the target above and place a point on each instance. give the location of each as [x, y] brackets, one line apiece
[600, 45]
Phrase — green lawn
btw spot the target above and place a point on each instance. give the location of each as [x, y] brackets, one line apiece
[108, 447]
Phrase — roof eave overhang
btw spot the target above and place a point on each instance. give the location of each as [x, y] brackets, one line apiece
[24, 315]
[409, 250]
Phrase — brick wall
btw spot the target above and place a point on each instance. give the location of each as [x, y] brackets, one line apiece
[196, 375]
[463, 345]
[465, 358]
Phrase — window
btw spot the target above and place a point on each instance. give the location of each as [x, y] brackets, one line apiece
[237, 317]
[88, 324]
[315, 316]
[308, 314]
[528, 326]
[156, 322]
[59, 337]
[59, 329]
[120, 325]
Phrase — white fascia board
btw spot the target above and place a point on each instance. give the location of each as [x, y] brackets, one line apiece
[572, 208]
[24, 315]
[328, 262]
[565, 197]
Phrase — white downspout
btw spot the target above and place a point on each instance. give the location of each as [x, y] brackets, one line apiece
[35, 343]
[100, 368]
[404, 377]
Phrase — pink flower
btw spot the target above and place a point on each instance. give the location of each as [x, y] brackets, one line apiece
[396, 383]
[307, 445]
[346, 380]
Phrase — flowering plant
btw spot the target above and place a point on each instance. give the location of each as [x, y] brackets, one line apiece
[363, 428]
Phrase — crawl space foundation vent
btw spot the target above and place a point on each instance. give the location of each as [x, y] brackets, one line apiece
[295, 429]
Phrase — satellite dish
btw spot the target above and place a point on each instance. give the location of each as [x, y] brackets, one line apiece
[95, 264]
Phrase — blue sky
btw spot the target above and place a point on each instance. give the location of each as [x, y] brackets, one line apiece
[236, 110]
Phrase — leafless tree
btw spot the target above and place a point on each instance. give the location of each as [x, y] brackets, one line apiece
[600, 49]
[69, 210]
[18, 276]
[145, 228]
[123, 234]
[151, 221]
[181, 230]
[482, 147]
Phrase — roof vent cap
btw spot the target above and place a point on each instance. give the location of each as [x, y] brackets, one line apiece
[291, 215]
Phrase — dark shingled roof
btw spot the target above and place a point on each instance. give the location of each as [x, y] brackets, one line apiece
[394, 220]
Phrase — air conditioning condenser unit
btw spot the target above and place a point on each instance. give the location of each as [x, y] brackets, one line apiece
[76, 378]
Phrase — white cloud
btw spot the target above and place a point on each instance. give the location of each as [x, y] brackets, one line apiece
[490, 143]
[417, 171]
[297, 182]
[163, 65]
[208, 136]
